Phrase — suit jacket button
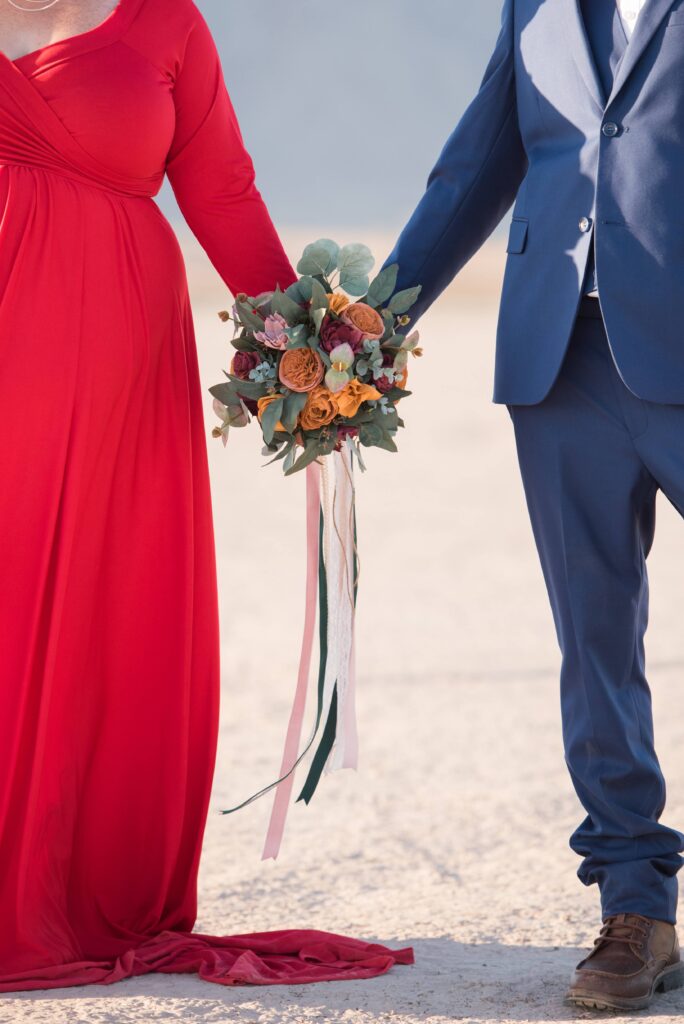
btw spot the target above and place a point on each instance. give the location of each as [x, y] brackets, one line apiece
[610, 129]
[584, 224]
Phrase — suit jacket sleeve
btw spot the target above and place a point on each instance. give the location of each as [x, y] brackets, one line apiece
[212, 175]
[471, 186]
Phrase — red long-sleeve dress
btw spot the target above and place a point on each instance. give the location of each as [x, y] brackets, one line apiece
[109, 653]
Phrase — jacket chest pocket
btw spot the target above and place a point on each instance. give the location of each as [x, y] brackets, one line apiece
[517, 235]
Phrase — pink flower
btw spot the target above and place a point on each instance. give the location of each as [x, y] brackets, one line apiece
[274, 335]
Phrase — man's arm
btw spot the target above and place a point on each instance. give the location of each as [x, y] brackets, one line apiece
[472, 185]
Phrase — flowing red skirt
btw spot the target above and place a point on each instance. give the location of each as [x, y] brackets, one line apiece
[109, 641]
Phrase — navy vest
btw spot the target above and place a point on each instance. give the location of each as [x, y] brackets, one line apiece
[608, 42]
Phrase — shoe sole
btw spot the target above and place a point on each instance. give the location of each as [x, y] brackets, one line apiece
[667, 981]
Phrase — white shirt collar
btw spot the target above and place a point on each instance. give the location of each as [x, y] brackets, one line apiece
[629, 12]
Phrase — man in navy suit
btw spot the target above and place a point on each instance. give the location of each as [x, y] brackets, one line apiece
[580, 122]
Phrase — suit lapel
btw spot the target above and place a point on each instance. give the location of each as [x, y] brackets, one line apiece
[580, 48]
[648, 22]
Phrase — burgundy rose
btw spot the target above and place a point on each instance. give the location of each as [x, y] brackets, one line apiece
[251, 404]
[383, 384]
[243, 363]
[336, 332]
[344, 432]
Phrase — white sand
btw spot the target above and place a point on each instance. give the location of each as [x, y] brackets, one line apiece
[453, 835]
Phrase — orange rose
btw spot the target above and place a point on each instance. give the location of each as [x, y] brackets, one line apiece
[263, 403]
[353, 394]
[401, 383]
[338, 303]
[365, 319]
[321, 408]
[301, 369]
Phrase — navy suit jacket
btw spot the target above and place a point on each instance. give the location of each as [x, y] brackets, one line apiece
[581, 167]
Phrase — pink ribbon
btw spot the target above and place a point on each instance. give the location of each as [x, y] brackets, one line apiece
[281, 801]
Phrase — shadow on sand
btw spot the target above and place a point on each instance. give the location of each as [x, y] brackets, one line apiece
[486, 981]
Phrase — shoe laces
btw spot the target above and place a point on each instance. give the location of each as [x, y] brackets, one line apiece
[628, 929]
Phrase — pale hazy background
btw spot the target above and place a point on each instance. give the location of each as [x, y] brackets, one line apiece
[453, 834]
[345, 106]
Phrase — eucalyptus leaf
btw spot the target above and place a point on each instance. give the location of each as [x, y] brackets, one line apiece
[282, 454]
[402, 301]
[270, 417]
[243, 343]
[225, 393]
[299, 336]
[318, 317]
[248, 318]
[293, 405]
[296, 293]
[389, 326]
[319, 298]
[356, 260]
[262, 299]
[306, 287]
[353, 283]
[239, 415]
[309, 455]
[396, 394]
[362, 416]
[287, 307]
[370, 434]
[249, 388]
[320, 257]
[401, 359]
[387, 443]
[297, 333]
[290, 459]
[382, 288]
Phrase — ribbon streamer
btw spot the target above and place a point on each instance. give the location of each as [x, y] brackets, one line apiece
[339, 745]
[332, 577]
[290, 759]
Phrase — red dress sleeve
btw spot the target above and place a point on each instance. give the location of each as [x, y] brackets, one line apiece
[212, 174]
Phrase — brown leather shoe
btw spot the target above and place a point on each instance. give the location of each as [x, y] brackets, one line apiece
[633, 958]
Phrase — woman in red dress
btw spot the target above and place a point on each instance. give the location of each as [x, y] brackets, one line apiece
[109, 652]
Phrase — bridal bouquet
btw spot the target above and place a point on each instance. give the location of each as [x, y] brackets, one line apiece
[317, 369]
[322, 367]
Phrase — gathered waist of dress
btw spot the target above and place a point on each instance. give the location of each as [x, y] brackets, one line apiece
[145, 188]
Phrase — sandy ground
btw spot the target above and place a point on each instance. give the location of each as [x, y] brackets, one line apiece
[452, 837]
